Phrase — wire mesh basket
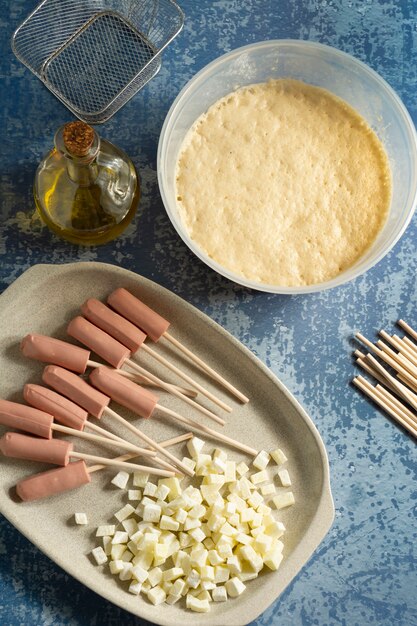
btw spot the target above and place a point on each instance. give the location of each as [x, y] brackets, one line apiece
[94, 55]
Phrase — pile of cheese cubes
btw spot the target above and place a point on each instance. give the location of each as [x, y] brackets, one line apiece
[202, 543]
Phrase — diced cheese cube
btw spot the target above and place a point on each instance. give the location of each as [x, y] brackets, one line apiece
[230, 508]
[116, 566]
[126, 573]
[197, 534]
[247, 514]
[261, 460]
[283, 500]
[162, 492]
[278, 456]
[284, 477]
[117, 551]
[144, 559]
[185, 540]
[235, 587]
[273, 559]
[133, 548]
[194, 446]
[204, 595]
[178, 587]
[156, 595]
[234, 565]
[214, 557]
[145, 587]
[181, 515]
[108, 530]
[230, 472]
[199, 606]
[275, 529]
[149, 489]
[244, 539]
[197, 511]
[264, 510]
[259, 530]
[120, 480]
[172, 573]
[255, 500]
[107, 545]
[268, 490]
[134, 494]
[262, 543]
[80, 518]
[219, 465]
[207, 584]
[188, 462]
[198, 557]
[219, 594]
[174, 486]
[247, 573]
[256, 521]
[207, 572]
[120, 537]
[259, 477]
[221, 574]
[193, 579]
[172, 598]
[151, 513]
[218, 453]
[155, 576]
[167, 523]
[130, 525]
[191, 522]
[127, 556]
[225, 550]
[135, 587]
[124, 512]
[234, 519]
[243, 488]
[242, 468]
[228, 530]
[147, 542]
[140, 479]
[208, 541]
[139, 573]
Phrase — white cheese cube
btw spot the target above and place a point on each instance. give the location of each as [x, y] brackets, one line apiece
[188, 462]
[247, 573]
[278, 456]
[214, 557]
[207, 573]
[204, 595]
[273, 559]
[167, 523]
[230, 472]
[208, 585]
[133, 548]
[126, 573]
[197, 511]
[199, 606]
[185, 540]
[198, 557]
[261, 460]
[172, 574]
[135, 587]
[181, 516]
[235, 587]
[156, 595]
[130, 525]
[151, 513]
[120, 480]
[284, 477]
[283, 500]
[218, 453]
[155, 576]
[256, 521]
[230, 508]
[178, 587]
[140, 479]
[221, 574]
[264, 510]
[208, 541]
[120, 537]
[268, 490]
[162, 492]
[242, 468]
[195, 446]
[247, 514]
[149, 489]
[117, 551]
[134, 494]
[116, 566]
[144, 559]
[275, 529]
[259, 477]
[228, 530]
[234, 565]
[255, 500]
[106, 530]
[262, 543]
[193, 579]
[224, 550]
[174, 486]
[127, 556]
[172, 598]
[244, 539]
[80, 518]
[219, 465]
[191, 522]
[139, 573]
[107, 544]
[124, 512]
[197, 534]
[219, 594]
[145, 587]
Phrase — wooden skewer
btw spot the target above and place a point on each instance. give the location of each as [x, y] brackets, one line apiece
[362, 361]
[127, 457]
[408, 329]
[155, 446]
[142, 380]
[402, 391]
[390, 408]
[410, 344]
[131, 467]
[174, 392]
[387, 358]
[205, 392]
[411, 416]
[105, 440]
[201, 428]
[206, 368]
[400, 358]
[400, 346]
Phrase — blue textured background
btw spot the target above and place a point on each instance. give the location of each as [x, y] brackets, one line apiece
[365, 570]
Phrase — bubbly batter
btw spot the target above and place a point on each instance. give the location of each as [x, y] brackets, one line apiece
[283, 183]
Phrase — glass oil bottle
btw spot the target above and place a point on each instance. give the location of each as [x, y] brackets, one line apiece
[86, 189]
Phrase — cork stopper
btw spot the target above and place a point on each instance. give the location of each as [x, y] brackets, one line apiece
[78, 138]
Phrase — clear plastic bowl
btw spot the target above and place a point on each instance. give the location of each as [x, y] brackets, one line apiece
[319, 65]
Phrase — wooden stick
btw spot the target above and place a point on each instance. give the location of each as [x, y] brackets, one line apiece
[388, 407]
[362, 362]
[105, 440]
[201, 428]
[400, 358]
[142, 380]
[410, 344]
[127, 457]
[131, 467]
[408, 329]
[205, 392]
[206, 368]
[155, 446]
[174, 392]
[387, 358]
[406, 395]
[400, 346]
[411, 416]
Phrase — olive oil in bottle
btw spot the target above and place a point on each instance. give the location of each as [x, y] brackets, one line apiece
[86, 189]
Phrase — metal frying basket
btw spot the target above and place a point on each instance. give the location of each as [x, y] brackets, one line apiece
[94, 55]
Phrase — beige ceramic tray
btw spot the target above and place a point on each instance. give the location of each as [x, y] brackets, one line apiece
[43, 300]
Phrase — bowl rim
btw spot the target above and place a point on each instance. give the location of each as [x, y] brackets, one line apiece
[341, 279]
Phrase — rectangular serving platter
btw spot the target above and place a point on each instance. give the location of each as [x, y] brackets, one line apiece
[43, 300]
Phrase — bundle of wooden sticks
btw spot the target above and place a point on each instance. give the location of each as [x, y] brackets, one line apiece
[398, 382]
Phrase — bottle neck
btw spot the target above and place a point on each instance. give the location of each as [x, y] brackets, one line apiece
[81, 169]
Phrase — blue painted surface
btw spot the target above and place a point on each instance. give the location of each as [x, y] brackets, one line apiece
[365, 570]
